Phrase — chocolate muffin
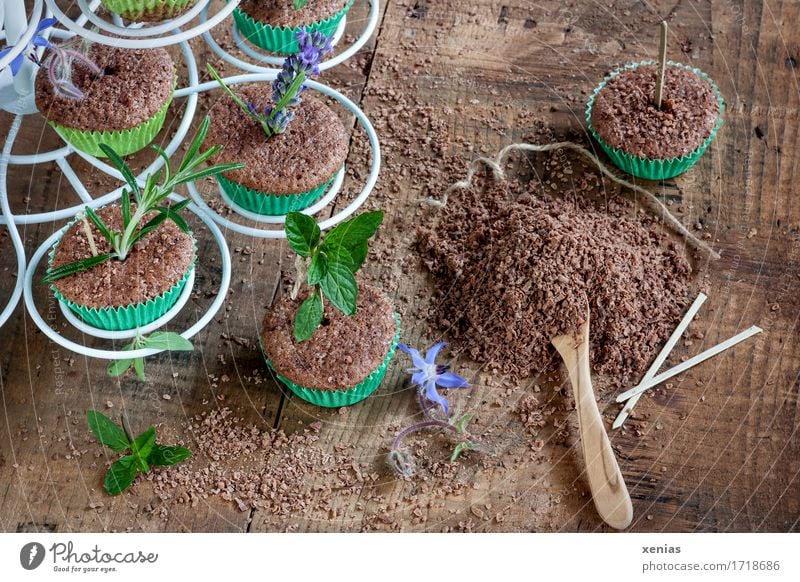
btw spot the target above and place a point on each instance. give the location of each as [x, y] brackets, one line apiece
[158, 262]
[305, 156]
[124, 108]
[625, 115]
[648, 141]
[149, 10]
[273, 24]
[343, 351]
[282, 13]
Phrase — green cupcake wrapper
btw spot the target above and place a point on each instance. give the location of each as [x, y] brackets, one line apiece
[648, 168]
[349, 396]
[124, 141]
[282, 39]
[129, 316]
[271, 204]
[133, 9]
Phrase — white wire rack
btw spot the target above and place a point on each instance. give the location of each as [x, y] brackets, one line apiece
[197, 21]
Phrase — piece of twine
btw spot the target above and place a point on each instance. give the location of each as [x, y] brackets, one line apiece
[650, 201]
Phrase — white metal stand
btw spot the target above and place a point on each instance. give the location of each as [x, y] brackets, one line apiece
[18, 30]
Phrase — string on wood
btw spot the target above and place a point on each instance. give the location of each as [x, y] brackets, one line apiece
[651, 202]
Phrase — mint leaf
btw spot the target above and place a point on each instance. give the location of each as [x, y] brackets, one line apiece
[168, 340]
[308, 318]
[340, 287]
[120, 475]
[118, 367]
[354, 232]
[317, 269]
[108, 433]
[302, 232]
[138, 367]
[142, 446]
[358, 254]
[164, 455]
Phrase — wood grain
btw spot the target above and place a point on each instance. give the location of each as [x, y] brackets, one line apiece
[718, 449]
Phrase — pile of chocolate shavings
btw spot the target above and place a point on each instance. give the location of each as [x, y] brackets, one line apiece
[514, 266]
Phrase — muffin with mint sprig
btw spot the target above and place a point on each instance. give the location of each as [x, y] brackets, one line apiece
[94, 94]
[331, 340]
[273, 24]
[125, 265]
[149, 10]
[291, 147]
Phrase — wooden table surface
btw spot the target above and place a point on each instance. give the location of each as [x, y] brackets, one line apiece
[718, 450]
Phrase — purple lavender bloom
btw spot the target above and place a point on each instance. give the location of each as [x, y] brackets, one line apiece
[37, 40]
[427, 374]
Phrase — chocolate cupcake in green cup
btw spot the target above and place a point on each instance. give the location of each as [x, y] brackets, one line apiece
[646, 141]
[273, 24]
[122, 103]
[330, 341]
[120, 295]
[292, 145]
[149, 10]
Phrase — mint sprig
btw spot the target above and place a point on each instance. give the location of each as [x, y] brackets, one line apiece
[328, 265]
[298, 4]
[144, 452]
[160, 340]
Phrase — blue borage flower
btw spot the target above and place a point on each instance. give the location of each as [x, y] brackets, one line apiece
[38, 40]
[427, 374]
[288, 85]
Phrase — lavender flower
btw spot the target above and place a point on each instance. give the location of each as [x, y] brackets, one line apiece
[427, 374]
[289, 83]
[36, 41]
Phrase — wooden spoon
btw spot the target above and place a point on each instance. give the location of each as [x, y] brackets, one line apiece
[608, 488]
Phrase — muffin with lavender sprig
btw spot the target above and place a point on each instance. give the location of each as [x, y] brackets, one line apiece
[273, 24]
[94, 94]
[292, 146]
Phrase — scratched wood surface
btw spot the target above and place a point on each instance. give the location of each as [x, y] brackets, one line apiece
[718, 450]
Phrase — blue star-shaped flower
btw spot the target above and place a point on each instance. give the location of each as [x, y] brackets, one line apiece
[427, 374]
[37, 40]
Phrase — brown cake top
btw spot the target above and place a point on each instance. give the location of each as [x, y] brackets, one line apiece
[342, 352]
[153, 266]
[303, 157]
[135, 85]
[626, 118]
[282, 13]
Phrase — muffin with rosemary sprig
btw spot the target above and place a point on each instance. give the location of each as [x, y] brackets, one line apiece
[94, 94]
[125, 265]
[331, 340]
[149, 10]
[273, 24]
[292, 147]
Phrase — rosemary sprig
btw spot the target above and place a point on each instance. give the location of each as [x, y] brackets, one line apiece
[149, 198]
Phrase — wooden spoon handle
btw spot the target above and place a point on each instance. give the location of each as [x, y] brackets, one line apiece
[608, 488]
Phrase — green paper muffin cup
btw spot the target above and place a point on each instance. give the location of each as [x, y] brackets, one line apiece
[128, 316]
[649, 168]
[282, 39]
[271, 204]
[350, 396]
[123, 141]
[156, 9]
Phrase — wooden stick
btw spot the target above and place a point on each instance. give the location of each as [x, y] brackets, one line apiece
[662, 56]
[661, 358]
[683, 366]
[88, 230]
